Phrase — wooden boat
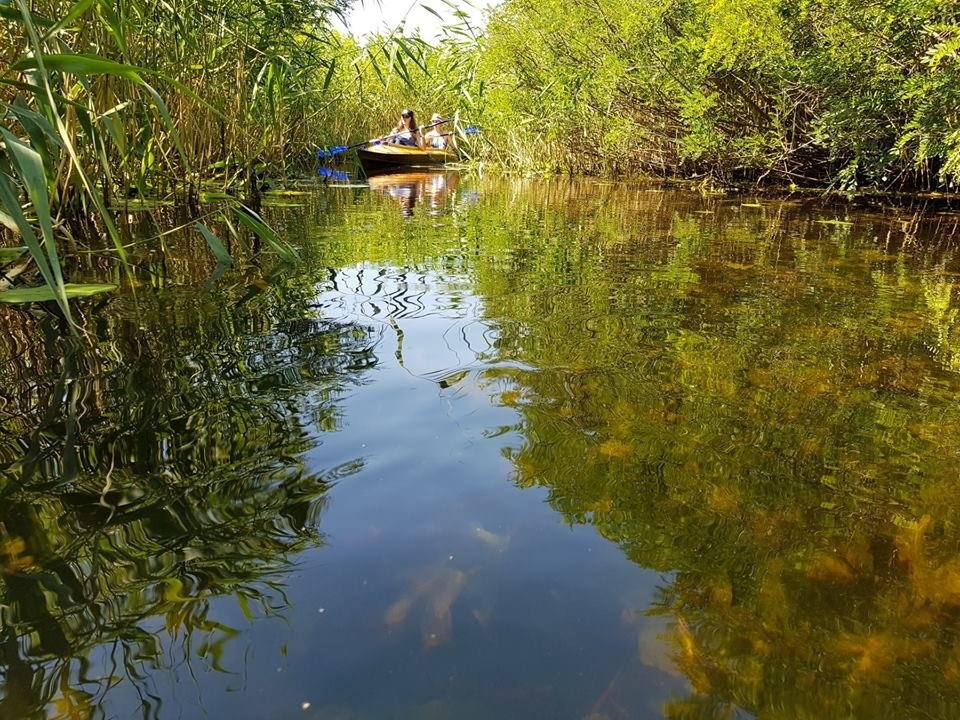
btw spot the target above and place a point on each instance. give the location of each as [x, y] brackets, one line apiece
[386, 157]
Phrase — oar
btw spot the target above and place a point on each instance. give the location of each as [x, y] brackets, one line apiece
[339, 149]
[332, 174]
[465, 132]
[468, 130]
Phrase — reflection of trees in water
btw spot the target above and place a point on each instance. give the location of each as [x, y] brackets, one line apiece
[146, 472]
[748, 409]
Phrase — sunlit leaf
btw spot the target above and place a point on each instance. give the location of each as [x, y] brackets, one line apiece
[9, 254]
[328, 78]
[45, 293]
[80, 64]
[256, 225]
[244, 603]
[67, 20]
[219, 251]
[8, 222]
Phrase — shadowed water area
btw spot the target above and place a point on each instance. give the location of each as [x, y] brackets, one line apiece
[494, 449]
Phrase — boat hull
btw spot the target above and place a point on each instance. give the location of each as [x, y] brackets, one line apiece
[387, 158]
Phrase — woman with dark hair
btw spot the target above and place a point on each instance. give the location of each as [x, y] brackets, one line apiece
[406, 132]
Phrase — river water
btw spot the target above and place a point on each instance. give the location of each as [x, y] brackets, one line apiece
[494, 449]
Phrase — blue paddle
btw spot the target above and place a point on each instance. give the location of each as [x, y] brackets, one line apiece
[332, 174]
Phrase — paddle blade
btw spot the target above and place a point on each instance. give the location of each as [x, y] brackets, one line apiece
[471, 130]
[330, 152]
[332, 174]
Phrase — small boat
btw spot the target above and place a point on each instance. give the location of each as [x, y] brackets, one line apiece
[385, 157]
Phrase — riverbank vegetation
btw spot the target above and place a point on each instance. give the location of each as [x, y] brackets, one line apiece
[109, 107]
[840, 94]
[101, 104]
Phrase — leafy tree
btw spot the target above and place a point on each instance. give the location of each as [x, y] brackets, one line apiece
[801, 92]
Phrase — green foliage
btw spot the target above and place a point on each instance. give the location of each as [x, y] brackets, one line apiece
[933, 94]
[96, 106]
[806, 92]
[41, 294]
[372, 82]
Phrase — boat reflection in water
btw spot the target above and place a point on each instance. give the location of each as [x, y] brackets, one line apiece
[433, 188]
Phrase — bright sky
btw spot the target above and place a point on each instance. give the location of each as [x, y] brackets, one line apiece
[370, 16]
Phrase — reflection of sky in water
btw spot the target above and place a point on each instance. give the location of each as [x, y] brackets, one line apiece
[443, 590]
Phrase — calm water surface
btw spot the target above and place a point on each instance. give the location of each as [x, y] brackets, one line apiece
[495, 449]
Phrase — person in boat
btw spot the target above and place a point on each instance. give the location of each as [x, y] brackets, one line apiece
[406, 132]
[437, 137]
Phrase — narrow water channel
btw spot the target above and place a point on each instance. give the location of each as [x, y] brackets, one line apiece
[494, 449]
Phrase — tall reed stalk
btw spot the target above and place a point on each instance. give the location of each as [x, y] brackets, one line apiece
[104, 103]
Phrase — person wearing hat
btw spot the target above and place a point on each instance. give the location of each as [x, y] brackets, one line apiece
[435, 137]
[406, 132]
